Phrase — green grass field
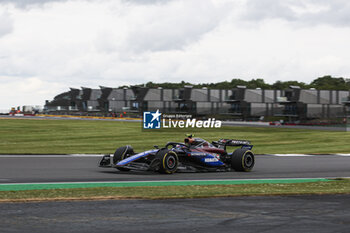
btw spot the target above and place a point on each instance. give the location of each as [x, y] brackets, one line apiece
[27, 136]
[192, 191]
[24, 136]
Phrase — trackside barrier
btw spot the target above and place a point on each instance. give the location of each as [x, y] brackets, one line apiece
[88, 117]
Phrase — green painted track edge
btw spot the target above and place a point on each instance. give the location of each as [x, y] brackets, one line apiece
[42, 186]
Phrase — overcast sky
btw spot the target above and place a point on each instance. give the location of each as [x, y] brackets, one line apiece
[48, 46]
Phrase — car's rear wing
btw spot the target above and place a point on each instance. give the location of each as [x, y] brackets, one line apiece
[223, 143]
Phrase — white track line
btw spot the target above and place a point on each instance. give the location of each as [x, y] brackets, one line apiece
[292, 155]
[86, 155]
[50, 156]
[100, 155]
[170, 181]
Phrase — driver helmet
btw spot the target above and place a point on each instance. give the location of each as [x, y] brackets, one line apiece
[189, 140]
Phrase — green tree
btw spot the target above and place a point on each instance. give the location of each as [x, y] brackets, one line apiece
[322, 83]
[330, 83]
[258, 83]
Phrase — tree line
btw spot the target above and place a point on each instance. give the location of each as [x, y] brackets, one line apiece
[322, 83]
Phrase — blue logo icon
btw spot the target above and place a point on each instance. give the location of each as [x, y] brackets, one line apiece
[151, 120]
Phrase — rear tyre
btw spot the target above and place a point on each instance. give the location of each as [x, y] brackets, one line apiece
[242, 160]
[168, 161]
[122, 153]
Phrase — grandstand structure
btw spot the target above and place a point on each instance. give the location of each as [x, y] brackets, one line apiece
[239, 102]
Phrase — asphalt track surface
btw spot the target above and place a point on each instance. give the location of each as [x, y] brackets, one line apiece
[305, 213]
[65, 168]
[321, 214]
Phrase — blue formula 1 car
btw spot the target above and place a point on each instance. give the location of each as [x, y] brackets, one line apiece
[195, 154]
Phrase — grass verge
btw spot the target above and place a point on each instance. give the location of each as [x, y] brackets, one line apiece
[341, 186]
[29, 136]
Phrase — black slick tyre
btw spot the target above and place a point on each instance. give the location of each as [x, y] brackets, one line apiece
[122, 153]
[168, 161]
[242, 160]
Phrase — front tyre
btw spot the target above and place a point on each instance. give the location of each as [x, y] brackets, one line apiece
[122, 153]
[168, 161]
[242, 160]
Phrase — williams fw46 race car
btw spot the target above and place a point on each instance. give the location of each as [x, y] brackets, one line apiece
[195, 154]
